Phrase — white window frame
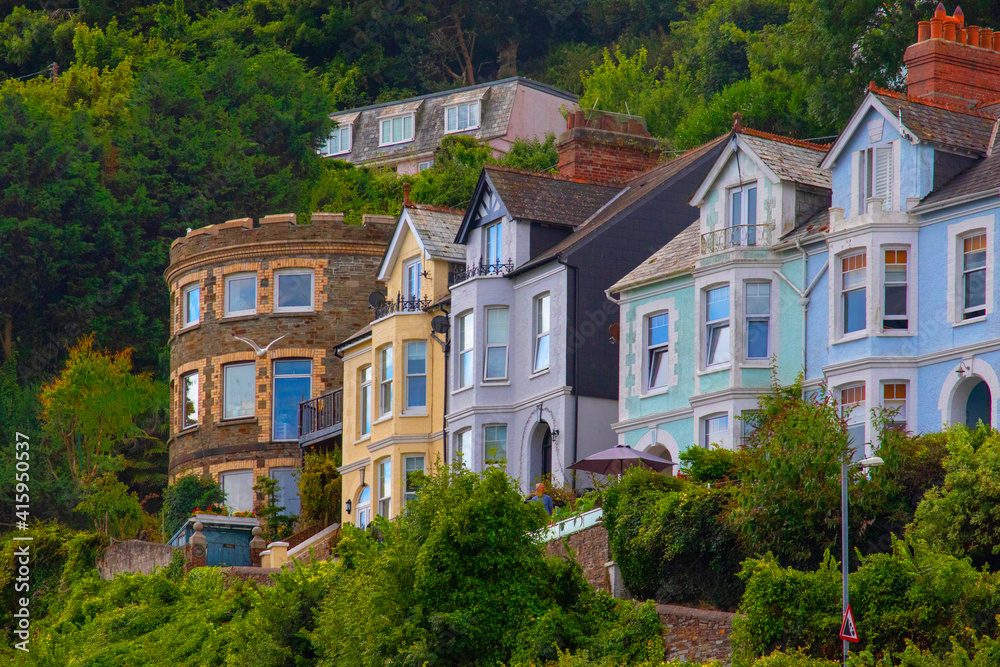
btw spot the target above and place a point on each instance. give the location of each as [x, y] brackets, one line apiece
[187, 423]
[234, 474]
[494, 345]
[855, 413]
[341, 131]
[887, 283]
[186, 291]
[232, 277]
[403, 117]
[469, 106]
[226, 384]
[280, 498]
[412, 273]
[493, 245]
[739, 228]
[657, 356]
[465, 359]
[365, 402]
[409, 493]
[461, 448]
[866, 184]
[896, 401]
[707, 435]
[312, 290]
[425, 164]
[383, 479]
[842, 292]
[957, 233]
[486, 452]
[542, 316]
[974, 312]
[386, 359]
[408, 408]
[718, 324]
[757, 317]
[363, 510]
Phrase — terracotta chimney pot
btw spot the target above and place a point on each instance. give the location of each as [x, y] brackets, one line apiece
[995, 39]
[973, 33]
[986, 38]
[949, 32]
[959, 16]
[937, 27]
[923, 31]
[961, 35]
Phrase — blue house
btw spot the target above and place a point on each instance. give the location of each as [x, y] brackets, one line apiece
[885, 294]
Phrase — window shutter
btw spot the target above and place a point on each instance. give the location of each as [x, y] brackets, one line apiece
[883, 176]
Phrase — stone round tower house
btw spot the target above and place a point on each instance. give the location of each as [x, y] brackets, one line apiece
[292, 290]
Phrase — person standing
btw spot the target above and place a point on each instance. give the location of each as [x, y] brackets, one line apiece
[539, 496]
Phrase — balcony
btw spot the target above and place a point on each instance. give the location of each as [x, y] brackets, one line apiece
[321, 418]
[480, 270]
[401, 305]
[737, 236]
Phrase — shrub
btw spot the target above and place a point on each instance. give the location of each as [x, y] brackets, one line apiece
[714, 464]
[319, 489]
[187, 493]
[671, 540]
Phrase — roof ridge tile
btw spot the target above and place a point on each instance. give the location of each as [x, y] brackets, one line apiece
[783, 140]
[872, 88]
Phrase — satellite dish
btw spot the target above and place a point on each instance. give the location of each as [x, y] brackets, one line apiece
[440, 324]
[376, 299]
[614, 331]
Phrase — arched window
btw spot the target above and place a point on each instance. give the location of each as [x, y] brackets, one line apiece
[364, 513]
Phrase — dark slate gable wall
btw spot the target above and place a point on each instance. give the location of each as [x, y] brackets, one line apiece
[605, 259]
[543, 237]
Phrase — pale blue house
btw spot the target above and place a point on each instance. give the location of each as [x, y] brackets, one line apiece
[706, 318]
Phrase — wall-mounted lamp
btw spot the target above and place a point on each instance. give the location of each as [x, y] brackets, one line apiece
[963, 369]
[347, 505]
[555, 435]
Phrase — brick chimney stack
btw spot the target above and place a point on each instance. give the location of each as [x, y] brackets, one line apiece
[953, 64]
[605, 148]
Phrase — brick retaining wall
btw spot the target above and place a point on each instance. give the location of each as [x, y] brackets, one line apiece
[592, 553]
[696, 634]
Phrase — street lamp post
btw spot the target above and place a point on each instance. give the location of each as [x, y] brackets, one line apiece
[870, 462]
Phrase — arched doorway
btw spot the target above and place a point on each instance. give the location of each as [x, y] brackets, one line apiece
[978, 406]
[541, 452]
[663, 453]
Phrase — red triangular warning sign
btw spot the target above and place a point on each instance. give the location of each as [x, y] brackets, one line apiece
[848, 630]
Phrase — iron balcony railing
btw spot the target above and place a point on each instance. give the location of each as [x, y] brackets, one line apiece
[481, 270]
[402, 305]
[737, 236]
[321, 413]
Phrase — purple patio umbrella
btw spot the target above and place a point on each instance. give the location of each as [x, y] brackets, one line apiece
[618, 459]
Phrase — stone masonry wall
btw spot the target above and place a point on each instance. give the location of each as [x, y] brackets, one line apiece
[344, 259]
[134, 556]
[592, 552]
[696, 635]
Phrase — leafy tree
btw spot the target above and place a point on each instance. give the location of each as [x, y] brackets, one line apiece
[182, 497]
[112, 509]
[959, 517]
[276, 525]
[92, 408]
[319, 489]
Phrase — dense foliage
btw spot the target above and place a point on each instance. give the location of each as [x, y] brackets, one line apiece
[319, 488]
[182, 497]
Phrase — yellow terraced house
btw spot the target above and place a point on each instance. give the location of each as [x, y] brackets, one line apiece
[395, 380]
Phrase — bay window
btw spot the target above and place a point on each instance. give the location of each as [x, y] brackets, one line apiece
[413, 469]
[717, 325]
[854, 280]
[853, 410]
[974, 276]
[541, 308]
[894, 400]
[385, 381]
[758, 316]
[416, 375]
[465, 356]
[384, 487]
[495, 443]
[714, 430]
[365, 401]
[496, 343]
[894, 315]
[657, 346]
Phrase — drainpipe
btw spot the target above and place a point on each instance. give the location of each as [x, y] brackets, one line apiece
[444, 417]
[804, 302]
[576, 357]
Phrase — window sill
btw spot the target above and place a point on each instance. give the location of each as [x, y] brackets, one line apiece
[291, 313]
[187, 328]
[414, 414]
[396, 143]
[237, 318]
[364, 439]
[896, 333]
[540, 373]
[659, 391]
[237, 421]
[974, 320]
[717, 368]
[467, 129]
[335, 154]
[756, 363]
[497, 382]
[462, 390]
[854, 335]
[384, 418]
[188, 430]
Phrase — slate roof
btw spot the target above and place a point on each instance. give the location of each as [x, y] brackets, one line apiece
[547, 198]
[634, 192]
[790, 159]
[677, 256]
[497, 102]
[819, 222]
[959, 128]
[437, 228]
[356, 336]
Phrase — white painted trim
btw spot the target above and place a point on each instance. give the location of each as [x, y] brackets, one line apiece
[956, 233]
[870, 102]
[391, 255]
[663, 438]
[720, 163]
[641, 314]
[954, 386]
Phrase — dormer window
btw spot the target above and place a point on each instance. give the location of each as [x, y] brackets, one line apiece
[874, 171]
[339, 141]
[743, 216]
[396, 130]
[461, 117]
